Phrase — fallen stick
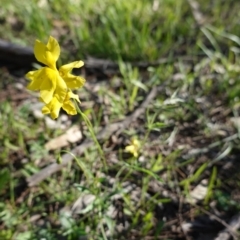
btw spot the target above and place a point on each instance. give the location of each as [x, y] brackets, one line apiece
[17, 56]
[232, 227]
[105, 133]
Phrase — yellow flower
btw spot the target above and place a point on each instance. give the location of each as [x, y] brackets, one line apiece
[133, 147]
[54, 85]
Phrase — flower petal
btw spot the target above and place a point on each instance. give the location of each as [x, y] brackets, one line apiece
[35, 83]
[46, 95]
[130, 148]
[69, 67]
[61, 89]
[44, 80]
[54, 48]
[53, 108]
[56, 106]
[70, 94]
[69, 107]
[45, 110]
[73, 82]
[135, 143]
[47, 54]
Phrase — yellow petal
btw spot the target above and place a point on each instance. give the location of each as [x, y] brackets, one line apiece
[47, 54]
[45, 110]
[135, 143]
[61, 89]
[46, 95]
[135, 153]
[53, 108]
[72, 81]
[35, 83]
[54, 48]
[130, 148]
[69, 107]
[45, 80]
[56, 106]
[32, 74]
[69, 67]
[70, 94]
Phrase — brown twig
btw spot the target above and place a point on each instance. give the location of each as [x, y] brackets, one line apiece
[105, 133]
[234, 225]
[230, 228]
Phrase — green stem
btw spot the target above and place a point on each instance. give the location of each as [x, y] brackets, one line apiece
[90, 128]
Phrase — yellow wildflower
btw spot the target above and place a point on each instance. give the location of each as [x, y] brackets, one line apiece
[54, 85]
[133, 147]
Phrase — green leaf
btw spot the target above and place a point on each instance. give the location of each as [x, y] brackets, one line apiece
[4, 178]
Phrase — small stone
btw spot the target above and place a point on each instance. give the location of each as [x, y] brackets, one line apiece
[38, 114]
[51, 123]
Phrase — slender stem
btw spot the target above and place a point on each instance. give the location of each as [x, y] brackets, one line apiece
[90, 128]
